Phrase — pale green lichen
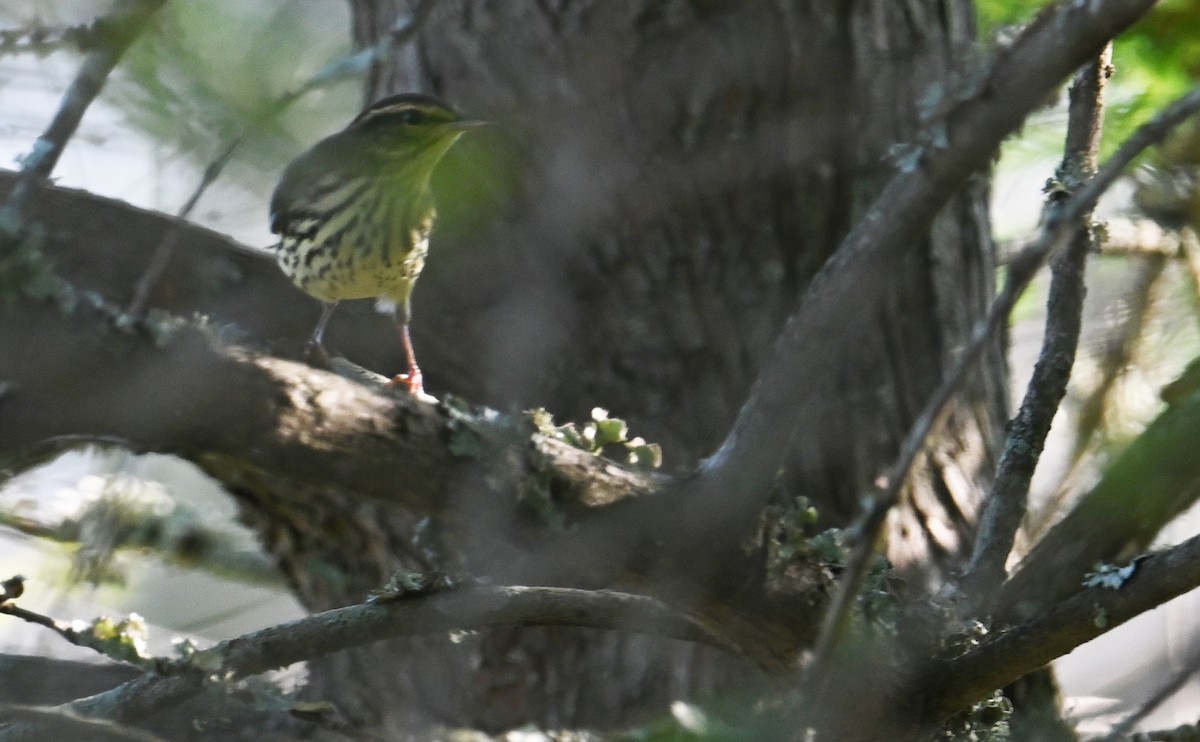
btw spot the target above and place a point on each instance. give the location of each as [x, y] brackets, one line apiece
[1111, 576]
[603, 436]
[125, 639]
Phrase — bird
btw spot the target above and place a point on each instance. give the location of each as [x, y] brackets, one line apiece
[354, 212]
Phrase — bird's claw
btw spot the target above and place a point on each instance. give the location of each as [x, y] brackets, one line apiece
[413, 383]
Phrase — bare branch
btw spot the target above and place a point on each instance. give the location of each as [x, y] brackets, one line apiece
[461, 609]
[1153, 480]
[119, 28]
[1054, 46]
[85, 639]
[951, 683]
[1006, 505]
[1020, 272]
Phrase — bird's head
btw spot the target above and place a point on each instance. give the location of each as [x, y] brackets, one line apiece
[412, 128]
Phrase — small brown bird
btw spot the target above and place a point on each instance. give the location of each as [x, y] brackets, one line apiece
[354, 212]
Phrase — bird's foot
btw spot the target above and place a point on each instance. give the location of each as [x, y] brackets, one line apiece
[413, 383]
[316, 355]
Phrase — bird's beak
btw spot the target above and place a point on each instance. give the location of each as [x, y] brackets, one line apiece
[465, 124]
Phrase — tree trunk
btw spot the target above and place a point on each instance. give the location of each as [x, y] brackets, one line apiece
[663, 180]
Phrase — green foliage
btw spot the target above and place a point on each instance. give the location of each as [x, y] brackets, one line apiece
[1156, 60]
[878, 603]
[998, 14]
[209, 70]
[791, 537]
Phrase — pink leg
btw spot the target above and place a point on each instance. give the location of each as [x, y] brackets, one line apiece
[412, 381]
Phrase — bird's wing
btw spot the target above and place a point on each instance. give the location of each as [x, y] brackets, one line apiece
[315, 171]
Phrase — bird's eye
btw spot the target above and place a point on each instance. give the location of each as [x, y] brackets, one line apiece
[412, 116]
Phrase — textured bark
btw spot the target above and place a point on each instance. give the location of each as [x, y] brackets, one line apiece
[682, 170]
[261, 424]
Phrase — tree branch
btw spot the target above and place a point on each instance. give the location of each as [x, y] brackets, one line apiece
[988, 109]
[276, 432]
[1005, 507]
[459, 609]
[209, 276]
[1020, 272]
[118, 29]
[1155, 479]
[242, 417]
[950, 683]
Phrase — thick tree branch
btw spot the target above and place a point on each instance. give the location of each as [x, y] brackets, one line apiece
[460, 609]
[237, 287]
[1006, 505]
[242, 416]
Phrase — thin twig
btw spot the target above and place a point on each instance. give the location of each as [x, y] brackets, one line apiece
[1021, 271]
[1006, 505]
[119, 28]
[466, 608]
[401, 32]
[64, 630]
